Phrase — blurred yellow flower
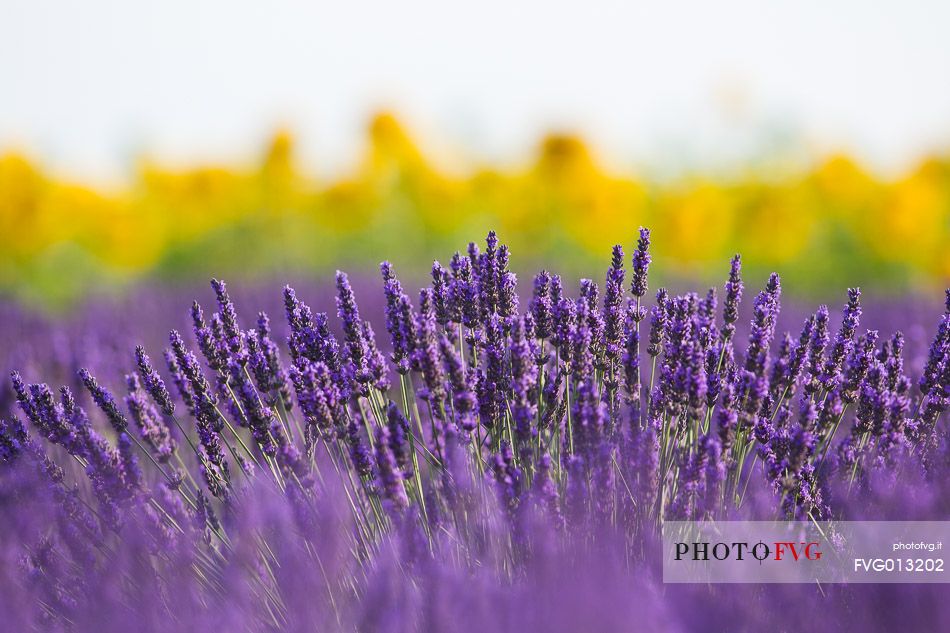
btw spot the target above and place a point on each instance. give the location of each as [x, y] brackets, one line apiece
[836, 220]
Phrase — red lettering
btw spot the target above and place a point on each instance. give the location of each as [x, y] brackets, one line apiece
[781, 547]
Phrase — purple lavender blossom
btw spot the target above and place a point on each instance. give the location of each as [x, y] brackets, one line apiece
[427, 353]
[939, 350]
[463, 291]
[589, 315]
[233, 335]
[265, 364]
[493, 375]
[613, 307]
[524, 377]
[541, 305]
[203, 399]
[153, 382]
[260, 419]
[352, 327]
[208, 423]
[319, 399]
[104, 401]
[843, 342]
[151, 427]
[631, 360]
[765, 313]
[733, 296]
[565, 323]
[816, 349]
[208, 343]
[179, 380]
[359, 455]
[799, 355]
[37, 403]
[507, 286]
[487, 274]
[641, 264]
[461, 382]
[857, 364]
[400, 321]
[375, 361]
[445, 309]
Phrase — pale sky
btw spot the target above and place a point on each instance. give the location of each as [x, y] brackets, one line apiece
[88, 85]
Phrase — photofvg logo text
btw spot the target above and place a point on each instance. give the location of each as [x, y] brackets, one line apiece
[804, 552]
[743, 550]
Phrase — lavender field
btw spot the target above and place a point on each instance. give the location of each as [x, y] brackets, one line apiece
[490, 453]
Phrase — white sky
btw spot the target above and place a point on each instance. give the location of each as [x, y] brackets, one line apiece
[88, 85]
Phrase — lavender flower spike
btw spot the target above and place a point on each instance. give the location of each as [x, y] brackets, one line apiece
[153, 382]
[352, 326]
[541, 306]
[844, 340]
[234, 337]
[104, 401]
[641, 264]
[151, 427]
[733, 292]
[399, 319]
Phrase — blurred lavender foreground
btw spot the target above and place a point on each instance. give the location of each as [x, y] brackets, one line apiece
[502, 465]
